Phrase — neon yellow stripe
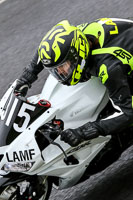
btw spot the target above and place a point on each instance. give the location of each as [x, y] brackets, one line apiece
[103, 74]
[132, 101]
[124, 56]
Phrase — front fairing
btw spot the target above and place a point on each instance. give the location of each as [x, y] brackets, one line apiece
[19, 121]
[16, 114]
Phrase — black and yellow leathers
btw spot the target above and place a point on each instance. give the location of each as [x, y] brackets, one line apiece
[111, 60]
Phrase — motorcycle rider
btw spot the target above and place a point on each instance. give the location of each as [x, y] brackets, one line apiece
[102, 48]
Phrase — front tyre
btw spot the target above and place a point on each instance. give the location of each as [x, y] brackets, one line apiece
[35, 189]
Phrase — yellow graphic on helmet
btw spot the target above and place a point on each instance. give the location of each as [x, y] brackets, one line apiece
[55, 35]
[76, 75]
[43, 52]
[52, 51]
[80, 43]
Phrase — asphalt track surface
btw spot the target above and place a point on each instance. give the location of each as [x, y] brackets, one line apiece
[23, 23]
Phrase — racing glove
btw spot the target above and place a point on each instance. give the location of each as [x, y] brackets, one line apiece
[75, 136]
[21, 88]
[24, 83]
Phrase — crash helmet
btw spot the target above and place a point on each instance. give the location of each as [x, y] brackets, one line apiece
[64, 52]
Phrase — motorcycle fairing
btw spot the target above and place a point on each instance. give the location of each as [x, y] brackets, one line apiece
[76, 106]
[71, 174]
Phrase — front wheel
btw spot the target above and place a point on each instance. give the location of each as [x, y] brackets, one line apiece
[38, 188]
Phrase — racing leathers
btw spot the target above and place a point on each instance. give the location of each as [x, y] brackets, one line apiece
[111, 60]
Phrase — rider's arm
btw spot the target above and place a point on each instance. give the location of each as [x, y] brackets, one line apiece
[30, 72]
[119, 93]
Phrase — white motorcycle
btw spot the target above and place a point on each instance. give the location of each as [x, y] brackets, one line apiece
[32, 156]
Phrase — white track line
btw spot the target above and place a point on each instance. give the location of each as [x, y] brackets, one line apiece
[1, 1]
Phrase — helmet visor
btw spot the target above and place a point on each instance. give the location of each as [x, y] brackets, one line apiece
[63, 71]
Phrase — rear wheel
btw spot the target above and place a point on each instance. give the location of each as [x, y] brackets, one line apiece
[39, 189]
